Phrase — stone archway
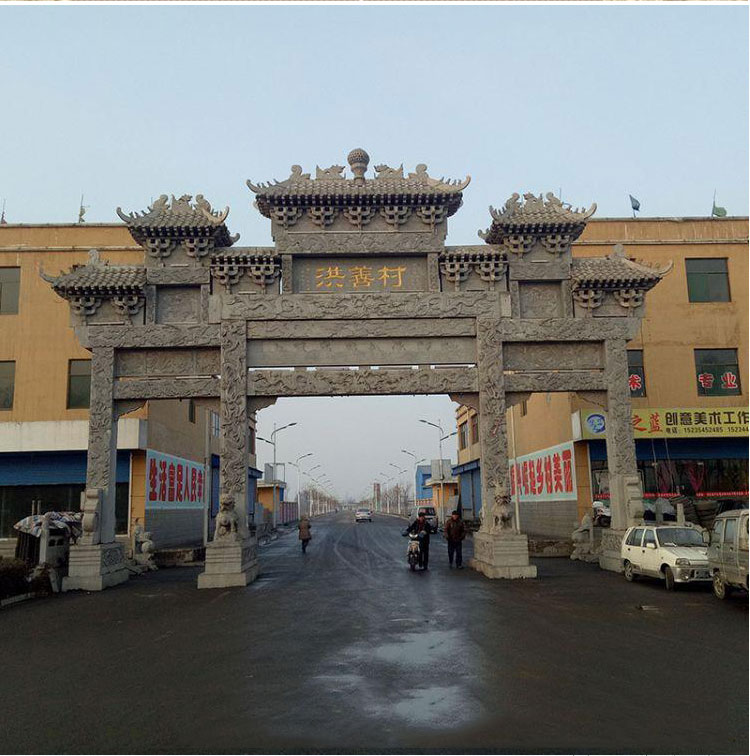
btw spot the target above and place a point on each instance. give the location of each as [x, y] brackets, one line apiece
[359, 295]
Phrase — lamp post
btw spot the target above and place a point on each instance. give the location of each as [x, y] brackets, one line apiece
[296, 464]
[442, 476]
[309, 496]
[416, 465]
[398, 493]
[273, 443]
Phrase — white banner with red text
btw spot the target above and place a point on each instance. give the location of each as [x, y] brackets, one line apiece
[545, 475]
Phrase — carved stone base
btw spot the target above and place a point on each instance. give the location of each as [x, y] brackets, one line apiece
[502, 556]
[95, 567]
[610, 558]
[229, 563]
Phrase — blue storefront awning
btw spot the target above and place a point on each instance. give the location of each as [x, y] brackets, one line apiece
[466, 467]
[52, 468]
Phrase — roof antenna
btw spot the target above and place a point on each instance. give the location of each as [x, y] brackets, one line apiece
[82, 211]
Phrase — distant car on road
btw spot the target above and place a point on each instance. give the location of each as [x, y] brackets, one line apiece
[674, 553]
[728, 552]
[363, 514]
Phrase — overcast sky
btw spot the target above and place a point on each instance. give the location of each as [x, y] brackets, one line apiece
[125, 103]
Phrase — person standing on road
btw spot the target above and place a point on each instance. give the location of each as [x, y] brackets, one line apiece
[304, 531]
[455, 532]
[420, 525]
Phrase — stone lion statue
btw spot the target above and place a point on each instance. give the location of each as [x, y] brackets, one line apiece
[227, 522]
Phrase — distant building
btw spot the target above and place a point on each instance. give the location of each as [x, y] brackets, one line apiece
[688, 382]
[422, 492]
[167, 458]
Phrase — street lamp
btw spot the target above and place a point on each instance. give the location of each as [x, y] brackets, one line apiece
[398, 492]
[442, 476]
[273, 443]
[296, 464]
[416, 465]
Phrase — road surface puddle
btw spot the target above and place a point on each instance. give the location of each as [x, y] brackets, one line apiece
[404, 679]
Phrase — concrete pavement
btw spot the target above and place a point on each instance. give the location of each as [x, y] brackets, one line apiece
[344, 650]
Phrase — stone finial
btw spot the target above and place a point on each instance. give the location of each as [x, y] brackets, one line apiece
[358, 161]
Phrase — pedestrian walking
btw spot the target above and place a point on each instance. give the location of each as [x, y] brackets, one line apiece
[304, 531]
[455, 532]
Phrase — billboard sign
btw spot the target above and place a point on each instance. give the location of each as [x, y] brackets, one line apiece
[671, 422]
[546, 475]
[173, 482]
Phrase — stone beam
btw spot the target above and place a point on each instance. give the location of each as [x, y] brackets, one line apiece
[361, 382]
[377, 328]
[570, 380]
[331, 306]
[154, 336]
[166, 388]
[569, 329]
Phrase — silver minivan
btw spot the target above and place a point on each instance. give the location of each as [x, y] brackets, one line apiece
[728, 552]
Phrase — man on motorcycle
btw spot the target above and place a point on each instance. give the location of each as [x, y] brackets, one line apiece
[421, 526]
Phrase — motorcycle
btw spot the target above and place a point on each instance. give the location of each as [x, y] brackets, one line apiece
[413, 549]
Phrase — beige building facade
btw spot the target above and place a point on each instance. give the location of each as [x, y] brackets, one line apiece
[688, 383]
[44, 385]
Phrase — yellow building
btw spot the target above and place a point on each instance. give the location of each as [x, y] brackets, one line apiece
[44, 396]
[688, 379]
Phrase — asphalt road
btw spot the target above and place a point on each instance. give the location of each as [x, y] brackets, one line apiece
[344, 650]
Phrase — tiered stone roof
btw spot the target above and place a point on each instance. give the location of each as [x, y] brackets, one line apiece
[536, 216]
[331, 187]
[179, 218]
[615, 272]
[98, 277]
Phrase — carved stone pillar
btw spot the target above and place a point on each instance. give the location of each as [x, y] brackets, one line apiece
[97, 560]
[626, 495]
[231, 558]
[500, 549]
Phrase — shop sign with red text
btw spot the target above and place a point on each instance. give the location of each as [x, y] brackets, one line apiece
[546, 475]
[173, 482]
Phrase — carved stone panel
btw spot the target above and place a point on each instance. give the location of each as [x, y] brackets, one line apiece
[529, 356]
[381, 351]
[387, 242]
[178, 304]
[367, 329]
[366, 275]
[234, 420]
[364, 381]
[166, 362]
[497, 509]
[540, 299]
[102, 448]
[361, 306]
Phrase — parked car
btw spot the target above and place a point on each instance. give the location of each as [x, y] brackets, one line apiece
[363, 514]
[674, 553]
[430, 516]
[728, 551]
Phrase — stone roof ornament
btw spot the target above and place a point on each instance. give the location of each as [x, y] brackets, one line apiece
[332, 188]
[169, 223]
[539, 216]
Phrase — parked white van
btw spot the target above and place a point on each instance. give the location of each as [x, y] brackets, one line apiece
[728, 552]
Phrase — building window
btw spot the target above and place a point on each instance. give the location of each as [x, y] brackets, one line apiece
[463, 435]
[475, 429]
[79, 384]
[215, 428]
[636, 376]
[10, 281]
[7, 384]
[707, 279]
[717, 372]
[191, 410]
